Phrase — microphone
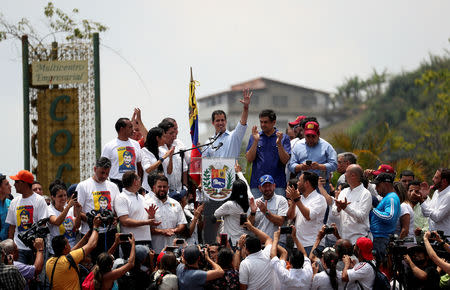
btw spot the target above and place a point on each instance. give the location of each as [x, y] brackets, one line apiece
[218, 135]
[218, 146]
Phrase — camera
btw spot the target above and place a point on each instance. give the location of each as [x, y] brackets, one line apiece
[329, 230]
[285, 230]
[242, 219]
[106, 217]
[37, 230]
[396, 247]
[308, 162]
[124, 237]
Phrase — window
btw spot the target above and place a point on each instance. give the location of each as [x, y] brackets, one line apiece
[308, 100]
[279, 100]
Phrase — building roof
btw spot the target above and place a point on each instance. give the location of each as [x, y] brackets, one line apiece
[260, 83]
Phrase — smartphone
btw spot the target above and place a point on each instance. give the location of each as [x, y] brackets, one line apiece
[75, 195]
[171, 248]
[180, 241]
[285, 230]
[329, 230]
[223, 239]
[242, 219]
[124, 237]
[308, 162]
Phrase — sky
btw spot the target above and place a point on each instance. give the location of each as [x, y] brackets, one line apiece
[315, 44]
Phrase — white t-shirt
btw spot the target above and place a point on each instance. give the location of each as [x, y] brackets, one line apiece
[307, 229]
[66, 228]
[293, 278]
[363, 273]
[277, 205]
[93, 196]
[405, 208]
[23, 212]
[170, 214]
[193, 239]
[321, 281]
[148, 158]
[231, 212]
[124, 156]
[175, 177]
[256, 272]
[133, 205]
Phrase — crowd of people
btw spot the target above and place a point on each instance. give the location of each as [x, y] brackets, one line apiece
[140, 222]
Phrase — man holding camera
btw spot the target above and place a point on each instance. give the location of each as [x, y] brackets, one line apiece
[98, 194]
[10, 277]
[25, 210]
[62, 268]
[313, 154]
[133, 216]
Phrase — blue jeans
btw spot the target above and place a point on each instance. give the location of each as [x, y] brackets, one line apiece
[379, 246]
[278, 190]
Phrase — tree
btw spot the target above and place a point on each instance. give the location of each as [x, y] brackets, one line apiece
[59, 24]
[431, 126]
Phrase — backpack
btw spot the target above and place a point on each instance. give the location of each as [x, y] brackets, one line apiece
[88, 283]
[381, 281]
[154, 283]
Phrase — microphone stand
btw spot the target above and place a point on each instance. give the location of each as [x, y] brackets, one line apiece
[182, 151]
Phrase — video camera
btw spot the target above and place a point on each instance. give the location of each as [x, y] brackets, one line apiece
[106, 217]
[37, 230]
[396, 247]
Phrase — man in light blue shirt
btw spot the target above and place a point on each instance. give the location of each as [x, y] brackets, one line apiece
[313, 154]
[228, 144]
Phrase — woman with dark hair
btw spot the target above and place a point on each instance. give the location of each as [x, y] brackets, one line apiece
[230, 280]
[63, 215]
[104, 276]
[151, 155]
[330, 278]
[165, 276]
[232, 209]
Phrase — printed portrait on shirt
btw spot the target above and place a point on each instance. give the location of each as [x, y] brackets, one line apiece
[127, 159]
[102, 200]
[24, 217]
[66, 228]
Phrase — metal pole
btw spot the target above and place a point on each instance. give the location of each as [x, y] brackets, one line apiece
[98, 133]
[26, 103]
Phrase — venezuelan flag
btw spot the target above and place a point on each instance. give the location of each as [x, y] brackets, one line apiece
[193, 123]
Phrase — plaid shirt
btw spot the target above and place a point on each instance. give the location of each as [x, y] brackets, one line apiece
[10, 278]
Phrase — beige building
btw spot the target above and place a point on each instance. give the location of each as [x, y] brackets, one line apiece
[287, 100]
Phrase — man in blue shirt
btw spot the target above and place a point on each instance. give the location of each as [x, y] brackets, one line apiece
[190, 277]
[269, 150]
[228, 144]
[313, 154]
[383, 218]
[5, 191]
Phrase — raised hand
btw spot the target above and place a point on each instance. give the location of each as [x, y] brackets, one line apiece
[151, 211]
[255, 134]
[253, 206]
[246, 95]
[279, 137]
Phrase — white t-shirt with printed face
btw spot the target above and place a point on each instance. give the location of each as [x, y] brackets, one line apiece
[170, 214]
[133, 205]
[66, 228]
[95, 196]
[23, 212]
[124, 156]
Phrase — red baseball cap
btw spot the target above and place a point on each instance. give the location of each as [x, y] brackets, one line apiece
[384, 168]
[297, 121]
[311, 128]
[24, 175]
[365, 247]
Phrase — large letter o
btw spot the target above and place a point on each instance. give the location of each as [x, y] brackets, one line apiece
[66, 147]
